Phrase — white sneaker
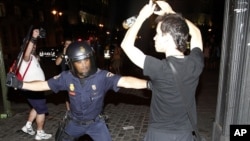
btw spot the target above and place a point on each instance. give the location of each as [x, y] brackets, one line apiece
[42, 136]
[28, 130]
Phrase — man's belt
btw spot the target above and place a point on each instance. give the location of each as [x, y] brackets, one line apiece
[81, 122]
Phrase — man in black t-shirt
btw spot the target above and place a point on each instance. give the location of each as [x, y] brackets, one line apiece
[60, 60]
[169, 119]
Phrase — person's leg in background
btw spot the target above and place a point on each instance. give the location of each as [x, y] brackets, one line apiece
[39, 108]
[27, 128]
[67, 103]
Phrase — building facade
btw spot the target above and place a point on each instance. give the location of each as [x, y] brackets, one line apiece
[60, 19]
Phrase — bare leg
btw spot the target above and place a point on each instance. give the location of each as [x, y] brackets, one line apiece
[32, 115]
[40, 119]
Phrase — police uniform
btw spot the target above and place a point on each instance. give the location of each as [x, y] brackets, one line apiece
[86, 102]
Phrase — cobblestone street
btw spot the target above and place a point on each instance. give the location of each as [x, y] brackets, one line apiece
[128, 108]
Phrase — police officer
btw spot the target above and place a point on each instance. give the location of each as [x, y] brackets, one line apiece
[86, 85]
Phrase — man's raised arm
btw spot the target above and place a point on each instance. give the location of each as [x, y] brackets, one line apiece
[128, 43]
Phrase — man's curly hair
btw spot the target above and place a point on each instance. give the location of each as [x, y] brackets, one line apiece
[176, 26]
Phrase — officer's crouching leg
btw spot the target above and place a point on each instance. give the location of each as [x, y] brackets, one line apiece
[64, 137]
[61, 135]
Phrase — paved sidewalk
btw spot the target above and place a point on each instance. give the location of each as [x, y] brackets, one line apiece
[127, 108]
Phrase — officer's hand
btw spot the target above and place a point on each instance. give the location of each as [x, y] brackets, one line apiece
[12, 81]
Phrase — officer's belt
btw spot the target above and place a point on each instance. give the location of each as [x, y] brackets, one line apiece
[81, 122]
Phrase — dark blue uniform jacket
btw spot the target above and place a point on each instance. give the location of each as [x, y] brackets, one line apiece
[86, 98]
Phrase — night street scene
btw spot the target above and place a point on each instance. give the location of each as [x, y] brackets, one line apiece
[222, 93]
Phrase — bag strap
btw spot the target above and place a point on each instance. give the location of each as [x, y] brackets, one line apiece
[27, 68]
[197, 134]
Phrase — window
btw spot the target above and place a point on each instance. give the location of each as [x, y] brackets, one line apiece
[17, 11]
[2, 10]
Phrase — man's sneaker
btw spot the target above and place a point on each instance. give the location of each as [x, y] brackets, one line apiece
[42, 136]
[28, 130]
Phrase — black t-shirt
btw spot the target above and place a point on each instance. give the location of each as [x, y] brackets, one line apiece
[64, 65]
[167, 110]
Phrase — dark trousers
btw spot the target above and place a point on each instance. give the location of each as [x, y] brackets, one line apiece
[156, 135]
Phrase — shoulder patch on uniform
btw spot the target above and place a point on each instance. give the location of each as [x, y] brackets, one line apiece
[72, 89]
[57, 76]
[109, 74]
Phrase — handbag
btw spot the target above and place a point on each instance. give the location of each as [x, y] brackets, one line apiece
[17, 73]
[197, 136]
